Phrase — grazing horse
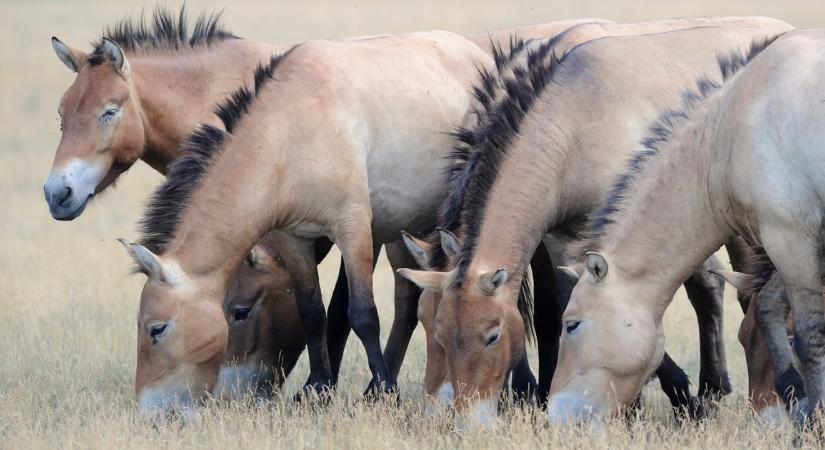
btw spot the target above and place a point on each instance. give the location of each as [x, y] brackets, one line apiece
[544, 164]
[328, 120]
[740, 158]
[142, 90]
[491, 91]
[265, 335]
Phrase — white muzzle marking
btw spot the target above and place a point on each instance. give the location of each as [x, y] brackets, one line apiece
[567, 408]
[236, 381]
[68, 189]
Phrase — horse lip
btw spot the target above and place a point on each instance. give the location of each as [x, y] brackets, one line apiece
[74, 214]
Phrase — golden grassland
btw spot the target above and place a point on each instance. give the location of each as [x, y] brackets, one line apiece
[68, 308]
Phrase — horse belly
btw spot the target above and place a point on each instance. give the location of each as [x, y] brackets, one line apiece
[406, 197]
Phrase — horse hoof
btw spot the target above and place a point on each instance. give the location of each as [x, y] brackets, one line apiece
[376, 390]
[315, 392]
[801, 413]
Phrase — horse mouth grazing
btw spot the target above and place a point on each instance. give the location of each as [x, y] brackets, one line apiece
[61, 215]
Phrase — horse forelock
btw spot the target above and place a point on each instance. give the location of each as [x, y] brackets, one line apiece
[165, 208]
[164, 31]
[659, 133]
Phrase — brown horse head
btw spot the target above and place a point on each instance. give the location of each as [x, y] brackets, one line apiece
[629, 340]
[181, 337]
[479, 328]
[102, 129]
[265, 335]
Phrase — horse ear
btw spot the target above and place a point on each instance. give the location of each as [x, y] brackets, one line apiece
[115, 53]
[425, 279]
[418, 248]
[253, 258]
[449, 242]
[570, 273]
[596, 264]
[491, 281]
[71, 57]
[148, 263]
[736, 279]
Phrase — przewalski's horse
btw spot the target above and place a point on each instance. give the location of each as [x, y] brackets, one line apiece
[144, 88]
[325, 130]
[491, 92]
[744, 158]
[265, 335]
[545, 162]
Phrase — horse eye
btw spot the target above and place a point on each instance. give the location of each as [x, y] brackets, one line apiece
[240, 313]
[493, 338]
[157, 330]
[109, 115]
[570, 326]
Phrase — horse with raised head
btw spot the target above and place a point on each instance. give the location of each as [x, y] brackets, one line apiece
[740, 158]
[543, 164]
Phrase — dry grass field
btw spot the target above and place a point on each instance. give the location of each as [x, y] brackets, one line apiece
[68, 307]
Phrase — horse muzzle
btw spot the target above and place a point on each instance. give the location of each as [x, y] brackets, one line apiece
[69, 189]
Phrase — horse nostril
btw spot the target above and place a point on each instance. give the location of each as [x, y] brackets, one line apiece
[65, 196]
[571, 325]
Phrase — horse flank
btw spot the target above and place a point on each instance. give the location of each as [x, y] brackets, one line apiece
[659, 133]
[167, 204]
[165, 31]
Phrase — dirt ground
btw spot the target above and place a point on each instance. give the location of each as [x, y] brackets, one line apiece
[68, 307]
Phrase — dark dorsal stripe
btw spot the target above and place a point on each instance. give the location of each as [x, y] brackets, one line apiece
[164, 31]
[168, 203]
[658, 135]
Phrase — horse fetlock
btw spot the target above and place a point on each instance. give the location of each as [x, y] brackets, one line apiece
[714, 386]
[790, 386]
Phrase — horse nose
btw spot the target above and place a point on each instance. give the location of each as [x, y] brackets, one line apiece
[57, 192]
[63, 197]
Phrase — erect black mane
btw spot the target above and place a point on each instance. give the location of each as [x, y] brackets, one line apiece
[487, 147]
[659, 133]
[164, 31]
[166, 206]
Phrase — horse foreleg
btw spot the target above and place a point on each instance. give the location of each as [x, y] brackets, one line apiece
[313, 318]
[771, 314]
[797, 259]
[546, 318]
[676, 386]
[706, 294]
[354, 238]
[406, 308]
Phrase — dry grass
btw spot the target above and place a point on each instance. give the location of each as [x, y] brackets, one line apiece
[67, 308]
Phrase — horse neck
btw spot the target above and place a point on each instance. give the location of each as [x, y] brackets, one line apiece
[178, 90]
[235, 205]
[523, 201]
[672, 219]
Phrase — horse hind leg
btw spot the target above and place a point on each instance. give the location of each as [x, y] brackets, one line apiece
[706, 294]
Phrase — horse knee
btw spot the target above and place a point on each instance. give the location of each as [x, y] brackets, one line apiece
[363, 317]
